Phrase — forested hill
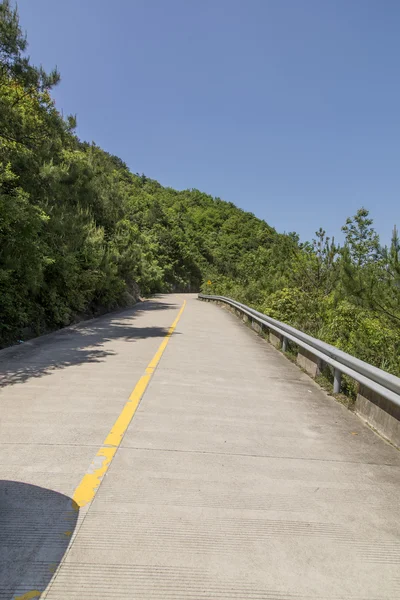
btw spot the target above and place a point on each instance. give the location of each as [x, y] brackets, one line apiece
[81, 234]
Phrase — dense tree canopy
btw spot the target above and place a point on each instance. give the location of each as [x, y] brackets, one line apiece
[81, 234]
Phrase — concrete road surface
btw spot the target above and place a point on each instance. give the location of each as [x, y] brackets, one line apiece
[237, 478]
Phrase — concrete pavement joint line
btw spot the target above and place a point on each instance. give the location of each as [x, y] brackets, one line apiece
[86, 490]
[329, 460]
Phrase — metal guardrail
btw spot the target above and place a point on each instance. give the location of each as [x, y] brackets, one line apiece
[375, 379]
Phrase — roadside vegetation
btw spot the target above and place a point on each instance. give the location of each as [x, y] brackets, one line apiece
[81, 234]
[348, 295]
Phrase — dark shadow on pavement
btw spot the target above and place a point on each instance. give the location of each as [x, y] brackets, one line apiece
[82, 343]
[36, 525]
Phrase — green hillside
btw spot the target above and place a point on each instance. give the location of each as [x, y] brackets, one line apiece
[81, 234]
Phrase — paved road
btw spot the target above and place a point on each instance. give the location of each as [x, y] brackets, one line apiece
[236, 479]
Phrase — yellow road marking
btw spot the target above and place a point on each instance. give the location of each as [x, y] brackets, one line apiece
[86, 490]
[29, 595]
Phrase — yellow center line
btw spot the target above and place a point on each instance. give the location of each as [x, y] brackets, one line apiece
[86, 490]
[33, 594]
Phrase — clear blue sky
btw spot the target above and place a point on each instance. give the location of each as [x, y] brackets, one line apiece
[288, 108]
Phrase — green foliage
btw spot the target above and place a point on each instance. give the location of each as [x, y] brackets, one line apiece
[362, 242]
[288, 305]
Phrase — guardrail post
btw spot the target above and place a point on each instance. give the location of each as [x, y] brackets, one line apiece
[284, 344]
[337, 380]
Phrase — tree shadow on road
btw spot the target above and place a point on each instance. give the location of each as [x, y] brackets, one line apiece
[36, 526]
[82, 343]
